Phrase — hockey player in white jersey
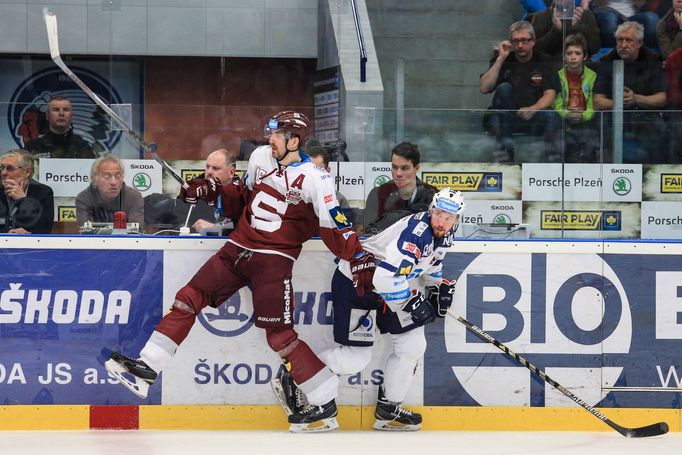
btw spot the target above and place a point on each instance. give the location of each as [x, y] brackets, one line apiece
[408, 281]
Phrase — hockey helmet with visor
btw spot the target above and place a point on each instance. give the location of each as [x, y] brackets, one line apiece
[289, 123]
[446, 211]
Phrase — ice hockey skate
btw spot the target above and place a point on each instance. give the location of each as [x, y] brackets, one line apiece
[314, 419]
[289, 395]
[391, 416]
[135, 375]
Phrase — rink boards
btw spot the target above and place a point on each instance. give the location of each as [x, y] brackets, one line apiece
[604, 319]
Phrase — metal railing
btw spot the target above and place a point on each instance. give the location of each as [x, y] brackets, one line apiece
[361, 42]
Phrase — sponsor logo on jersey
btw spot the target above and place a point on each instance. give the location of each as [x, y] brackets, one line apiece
[480, 182]
[293, 196]
[671, 183]
[328, 198]
[339, 218]
[420, 228]
[28, 104]
[622, 186]
[581, 220]
[66, 213]
[412, 248]
[405, 268]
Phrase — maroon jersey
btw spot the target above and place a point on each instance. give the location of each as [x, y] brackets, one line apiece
[286, 206]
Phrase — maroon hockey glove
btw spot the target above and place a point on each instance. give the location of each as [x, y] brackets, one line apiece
[362, 267]
[206, 189]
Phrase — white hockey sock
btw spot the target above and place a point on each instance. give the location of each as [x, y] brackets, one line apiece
[321, 388]
[158, 352]
[408, 348]
[347, 359]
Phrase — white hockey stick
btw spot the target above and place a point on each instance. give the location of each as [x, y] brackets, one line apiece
[52, 38]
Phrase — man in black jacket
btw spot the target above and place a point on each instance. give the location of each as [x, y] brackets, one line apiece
[644, 96]
[402, 196]
[60, 141]
[26, 206]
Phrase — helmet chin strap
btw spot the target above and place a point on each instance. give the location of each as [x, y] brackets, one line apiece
[286, 147]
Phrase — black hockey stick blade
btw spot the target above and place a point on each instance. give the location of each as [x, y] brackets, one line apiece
[53, 41]
[655, 429]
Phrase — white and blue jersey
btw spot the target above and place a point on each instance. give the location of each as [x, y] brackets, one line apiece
[408, 259]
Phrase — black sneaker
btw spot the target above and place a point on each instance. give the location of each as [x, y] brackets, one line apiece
[314, 418]
[392, 417]
[135, 375]
[287, 392]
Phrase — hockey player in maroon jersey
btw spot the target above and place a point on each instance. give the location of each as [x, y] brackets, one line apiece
[284, 200]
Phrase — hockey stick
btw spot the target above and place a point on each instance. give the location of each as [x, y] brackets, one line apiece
[654, 429]
[52, 38]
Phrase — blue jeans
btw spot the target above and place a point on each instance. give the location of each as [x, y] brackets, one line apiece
[505, 122]
[609, 20]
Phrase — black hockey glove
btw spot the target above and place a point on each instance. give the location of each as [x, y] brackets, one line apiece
[206, 189]
[362, 268]
[441, 296]
[420, 310]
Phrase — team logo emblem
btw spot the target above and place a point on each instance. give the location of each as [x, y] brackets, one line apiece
[293, 197]
[260, 174]
[28, 105]
[229, 319]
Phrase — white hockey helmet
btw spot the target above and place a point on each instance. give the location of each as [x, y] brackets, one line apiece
[449, 201]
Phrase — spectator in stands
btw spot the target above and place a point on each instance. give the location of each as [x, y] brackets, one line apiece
[107, 194]
[60, 141]
[404, 195]
[669, 33]
[574, 102]
[522, 80]
[26, 206]
[669, 30]
[320, 157]
[611, 13]
[549, 30]
[530, 7]
[644, 94]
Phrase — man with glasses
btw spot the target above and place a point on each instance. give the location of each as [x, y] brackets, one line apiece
[26, 206]
[60, 141]
[108, 194]
[523, 83]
